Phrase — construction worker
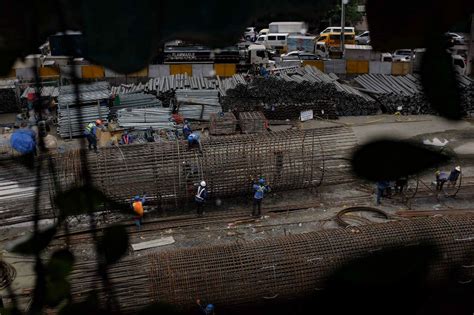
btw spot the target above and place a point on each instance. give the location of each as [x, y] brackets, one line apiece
[126, 138]
[453, 176]
[23, 140]
[381, 186]
[186, 129]
[259, 188]
[150, 134]
[208, 310]
[193, 141]
[91, 134]
[441, 178]
[200, 198]
[400, 183]
[137, 206]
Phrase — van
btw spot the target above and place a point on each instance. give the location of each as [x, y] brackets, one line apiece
[336, 29]
[263, 31]
[277, 41]
[333, 39]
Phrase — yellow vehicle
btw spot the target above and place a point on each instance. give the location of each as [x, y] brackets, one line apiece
[333, 39]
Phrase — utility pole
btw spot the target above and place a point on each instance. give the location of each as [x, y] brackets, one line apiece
[343, 24]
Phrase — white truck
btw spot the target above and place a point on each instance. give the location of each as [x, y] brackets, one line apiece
[288, 27]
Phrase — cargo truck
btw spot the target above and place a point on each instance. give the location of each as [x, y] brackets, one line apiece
[288, 27]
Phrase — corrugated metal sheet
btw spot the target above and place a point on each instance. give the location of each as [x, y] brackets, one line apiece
[335, 66]
[379, 67]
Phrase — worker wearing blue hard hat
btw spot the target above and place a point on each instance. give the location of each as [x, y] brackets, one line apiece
[259, 189]
[207, 310]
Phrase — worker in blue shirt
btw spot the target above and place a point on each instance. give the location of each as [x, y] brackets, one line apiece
[23, 140]
[186, 129]
[381, 186]
[200, 198]
[91, 134]
[208, 310]
[259, 188]
[194, 141]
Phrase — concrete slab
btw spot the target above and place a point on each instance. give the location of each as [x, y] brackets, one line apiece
[154, 243]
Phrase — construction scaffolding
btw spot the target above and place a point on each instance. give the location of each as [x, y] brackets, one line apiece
[285, 268]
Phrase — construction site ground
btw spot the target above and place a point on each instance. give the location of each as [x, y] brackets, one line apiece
[284, 212]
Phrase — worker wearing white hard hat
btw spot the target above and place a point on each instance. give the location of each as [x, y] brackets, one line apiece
[200, 198]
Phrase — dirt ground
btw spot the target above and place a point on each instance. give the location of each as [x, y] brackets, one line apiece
[290, 212]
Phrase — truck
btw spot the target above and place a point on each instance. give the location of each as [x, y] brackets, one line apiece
[301, 43]
[288, 27]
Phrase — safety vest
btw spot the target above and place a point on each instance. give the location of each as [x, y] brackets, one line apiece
[199, 193]
[138, 207]
[89, 127]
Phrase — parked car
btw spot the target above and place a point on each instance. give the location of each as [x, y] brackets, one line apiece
[363, 38]
[403, 55]
[294, 53]
[456, 38]
[300, 55]
[250, 34]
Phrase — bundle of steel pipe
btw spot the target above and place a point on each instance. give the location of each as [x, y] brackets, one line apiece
[284, 268]
[405, 93]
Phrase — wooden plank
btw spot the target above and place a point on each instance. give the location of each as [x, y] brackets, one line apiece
[154, 243]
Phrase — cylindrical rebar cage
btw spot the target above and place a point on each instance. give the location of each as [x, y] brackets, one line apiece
[248, 273]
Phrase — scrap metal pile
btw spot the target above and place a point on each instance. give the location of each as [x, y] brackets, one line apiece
[296, 90]
[404, 94]
[281, 269]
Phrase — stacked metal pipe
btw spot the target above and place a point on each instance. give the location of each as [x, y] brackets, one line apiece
[198, 104]
[73, 117]
[405, 93]
[142, 118]
[136, 100]
[285, 268]
[45, 91]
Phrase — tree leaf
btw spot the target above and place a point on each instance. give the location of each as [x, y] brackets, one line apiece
[60, 265]
[35, 243]
[392, 159]
[114, 243]
[439, 81]
[80, 200]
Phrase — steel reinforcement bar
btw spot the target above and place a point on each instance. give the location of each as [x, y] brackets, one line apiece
[168, 171]
[282, 268]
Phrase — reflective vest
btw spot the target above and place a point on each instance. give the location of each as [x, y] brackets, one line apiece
[89, 128]
[200, 191]
[138, 207]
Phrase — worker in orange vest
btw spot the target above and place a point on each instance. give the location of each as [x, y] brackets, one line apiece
[137, 206]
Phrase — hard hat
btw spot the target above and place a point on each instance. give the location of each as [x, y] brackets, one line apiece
[458, 168]
[137, 197]
[98, 122]
[261, 181]
[203, 184]
[185, 121]
[209, 307]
